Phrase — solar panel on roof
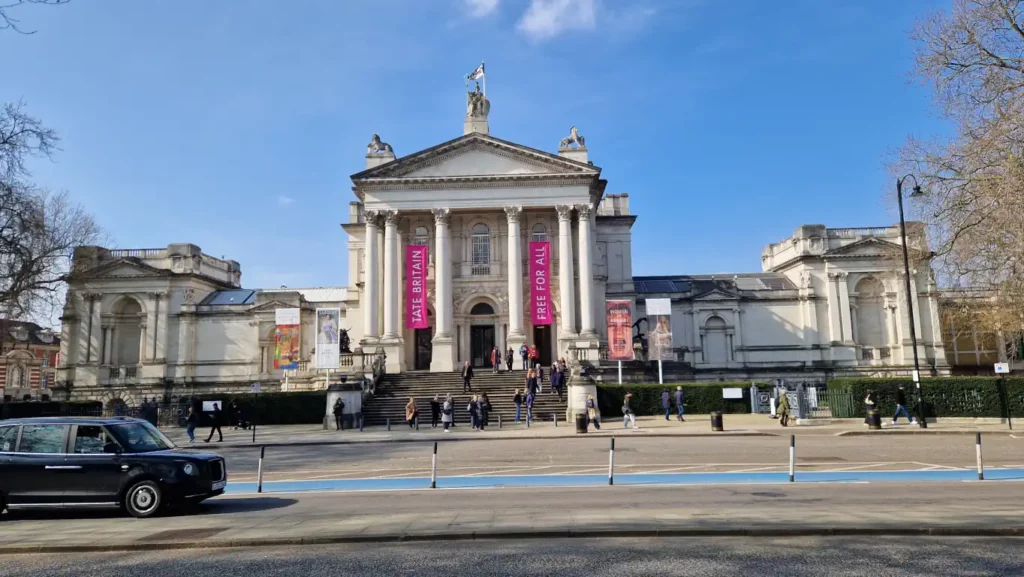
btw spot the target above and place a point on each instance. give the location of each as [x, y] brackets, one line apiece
[230, 297]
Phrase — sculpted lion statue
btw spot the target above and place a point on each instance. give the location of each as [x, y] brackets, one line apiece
[376, 145]
[574, 137]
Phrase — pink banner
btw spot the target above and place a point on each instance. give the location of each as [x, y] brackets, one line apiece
[416, 287]
[540, 283]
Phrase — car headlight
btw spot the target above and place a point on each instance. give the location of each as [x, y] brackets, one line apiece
[190, 469]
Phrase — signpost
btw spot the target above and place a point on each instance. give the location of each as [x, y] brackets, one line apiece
[1003, 369]
[659, 338]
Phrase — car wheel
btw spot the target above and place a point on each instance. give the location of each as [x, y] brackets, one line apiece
[143, 499]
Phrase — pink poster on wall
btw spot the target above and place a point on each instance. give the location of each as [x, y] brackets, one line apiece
[540, 283]
[416, 287]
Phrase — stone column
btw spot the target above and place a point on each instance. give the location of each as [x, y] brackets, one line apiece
[586, 273]
[392, 276]
[844, 299]
[739, 355]
[442, 357]
[835, 321]
[516, 336]
[108, 345]
[162, 327]
[566, 283]
[370, 294]
[95, 309]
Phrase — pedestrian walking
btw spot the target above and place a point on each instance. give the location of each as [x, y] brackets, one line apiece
[539, 371]
[783, 409]
[517, 399]
[666, 403]
[680, 403]
[467, 378]
[447, 412]
[592, 415]
[525, 353]
[530, 397]
[509, 358]
[339, 414]
[435, 412]
[495, 360]
[901, 406]
[557, 379]
[627, 411]
[484, 410]
[216, 416]
[411, 412]
[531, 382]
[191, 422]
[473, 408]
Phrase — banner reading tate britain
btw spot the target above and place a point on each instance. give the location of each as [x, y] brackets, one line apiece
[416, 287]
[620, 331]
[540, 283]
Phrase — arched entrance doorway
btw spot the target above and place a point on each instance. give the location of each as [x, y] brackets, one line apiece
[482, 337]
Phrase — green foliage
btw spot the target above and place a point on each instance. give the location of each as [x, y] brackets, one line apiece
[943, 397]
[297, 408]
[700, 398]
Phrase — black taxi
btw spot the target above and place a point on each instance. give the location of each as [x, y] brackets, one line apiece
[93, 462]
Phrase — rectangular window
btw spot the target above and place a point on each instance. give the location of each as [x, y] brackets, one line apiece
[90, 440]
[47, 439]
[46, 361]
[481, 250]
[7, 437]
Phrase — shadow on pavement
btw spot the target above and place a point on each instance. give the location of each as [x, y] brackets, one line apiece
[221, 506]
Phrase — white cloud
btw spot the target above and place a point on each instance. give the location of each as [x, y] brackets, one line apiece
[546, 19]
[283, 200]
[481, 8]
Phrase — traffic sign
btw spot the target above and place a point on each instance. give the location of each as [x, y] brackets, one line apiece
[1002, 368]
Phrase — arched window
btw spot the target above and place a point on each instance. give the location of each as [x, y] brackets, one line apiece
[481, 245]
[421, 236]
[540, 233]
[716, 341]
[482, 309]
[127, 333]
[870, 313]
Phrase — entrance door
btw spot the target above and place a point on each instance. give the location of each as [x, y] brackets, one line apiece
[542, 340]
[481, 341]
[424, 346]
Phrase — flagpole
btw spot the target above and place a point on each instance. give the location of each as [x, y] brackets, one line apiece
[483, 75]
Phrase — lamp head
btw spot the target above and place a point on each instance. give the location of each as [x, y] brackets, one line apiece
[917, 191]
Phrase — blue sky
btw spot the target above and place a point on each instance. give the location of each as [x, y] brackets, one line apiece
[234, 125]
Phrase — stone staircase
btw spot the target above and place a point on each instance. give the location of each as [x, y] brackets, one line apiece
[394, 391]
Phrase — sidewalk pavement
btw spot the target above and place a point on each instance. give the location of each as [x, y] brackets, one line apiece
[695, 426]
[975, 509]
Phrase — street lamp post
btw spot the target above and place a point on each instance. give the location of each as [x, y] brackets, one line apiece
[921, 420]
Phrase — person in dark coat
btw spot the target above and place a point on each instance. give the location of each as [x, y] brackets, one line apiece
[191, 422]
[666, 403]
[484, 410]
[339, 410]
[435, 411]
[473, 408]
[509, 358]
[517, 399]
[680, 403]
[217, 417]
[901, 406]
[467, 378]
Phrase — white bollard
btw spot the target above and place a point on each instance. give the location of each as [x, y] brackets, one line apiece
[259, 472]
[611, 463]
[792, 458]
[977, 447]
[433, 468]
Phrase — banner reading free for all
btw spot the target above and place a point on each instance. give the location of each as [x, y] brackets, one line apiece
[540, 283]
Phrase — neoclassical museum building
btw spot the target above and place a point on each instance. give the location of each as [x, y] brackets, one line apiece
[828, 301]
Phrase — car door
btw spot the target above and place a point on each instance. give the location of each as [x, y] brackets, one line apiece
[39, 473]
[8, 440]
[98, 477]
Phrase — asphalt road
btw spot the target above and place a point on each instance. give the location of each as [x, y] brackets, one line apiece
[633, 455]
[719, 557]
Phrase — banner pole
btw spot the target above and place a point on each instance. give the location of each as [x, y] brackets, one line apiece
[620, 372]
[660, 380]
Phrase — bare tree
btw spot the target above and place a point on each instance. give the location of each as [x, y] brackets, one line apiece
[973, 57]
[38, 230]
[7, 9]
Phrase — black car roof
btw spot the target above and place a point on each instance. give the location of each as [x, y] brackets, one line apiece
[71, 421]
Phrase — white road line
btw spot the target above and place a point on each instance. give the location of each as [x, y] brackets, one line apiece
[672, 470]
[856, 468]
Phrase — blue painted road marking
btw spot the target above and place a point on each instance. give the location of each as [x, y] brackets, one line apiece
[498, 481]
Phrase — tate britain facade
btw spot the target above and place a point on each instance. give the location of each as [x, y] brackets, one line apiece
[477, 243]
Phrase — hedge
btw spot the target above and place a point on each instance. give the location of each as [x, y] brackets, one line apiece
[943, 397]
[700, 398]
[22, 410]
[296, 408]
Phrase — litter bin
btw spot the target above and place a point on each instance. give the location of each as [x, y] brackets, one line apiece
[874, 419]
[581, 422]
[716, 421]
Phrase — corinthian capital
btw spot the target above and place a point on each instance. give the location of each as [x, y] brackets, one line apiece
[584, 211]
[513, 213]
[442, 215]
[564, 211]
[391, 217]
[372, 217]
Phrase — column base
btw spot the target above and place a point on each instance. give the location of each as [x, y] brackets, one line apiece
[442, 354]
[394, 348]
[515, 340]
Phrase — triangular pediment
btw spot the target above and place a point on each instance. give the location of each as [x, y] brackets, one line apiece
[477, 155]
[868, 247]
[126, 268]
[716, 295]
[272, 306]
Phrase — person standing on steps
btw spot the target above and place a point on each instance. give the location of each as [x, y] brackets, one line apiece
[525, 353]
[539, 371]
[495, 360]
[338, 410]
[529, 406]
[447, 411]
[517, 399]
[531, 382]
[467, 378]
[449, 399]
[411, 412]
[666, 403]
[435, 412]
[483, 409]
[680, 403]
[216, 416]
[509, 358]
[473, 408]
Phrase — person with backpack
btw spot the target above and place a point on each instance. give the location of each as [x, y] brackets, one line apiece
[783, 409]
